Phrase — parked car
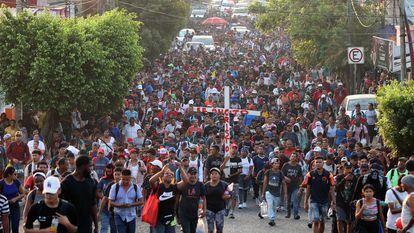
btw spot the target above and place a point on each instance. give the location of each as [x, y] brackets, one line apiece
[198, 13]
[241, 30]
[181, 34]
[207, 40]
[195, 45]
[362, 99]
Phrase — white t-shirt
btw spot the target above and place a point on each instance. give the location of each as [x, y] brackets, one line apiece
[74, 150]
[41, 146]
[390, 198]
[130, 131]
[246, 163]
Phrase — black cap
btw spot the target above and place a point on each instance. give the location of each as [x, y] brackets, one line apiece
[192, 170]
[348, 165]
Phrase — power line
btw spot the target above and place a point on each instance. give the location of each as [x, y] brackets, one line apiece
[152, 11]
[358, 19]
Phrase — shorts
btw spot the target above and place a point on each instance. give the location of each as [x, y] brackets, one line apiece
[342, 214]
[318, 211]
[235, 192]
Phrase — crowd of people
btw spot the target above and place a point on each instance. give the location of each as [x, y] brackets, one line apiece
[303, 150]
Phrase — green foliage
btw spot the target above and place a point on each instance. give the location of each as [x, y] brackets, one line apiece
[162, 19]
[319, 29]
[57, 65]
[396, 117]
[257, 8]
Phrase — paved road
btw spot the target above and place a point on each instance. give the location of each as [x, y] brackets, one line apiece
[247, 221]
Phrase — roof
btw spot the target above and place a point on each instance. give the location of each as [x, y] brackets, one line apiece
[361, 96]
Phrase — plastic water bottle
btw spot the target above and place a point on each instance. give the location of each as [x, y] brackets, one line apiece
[263, 209]
[54, 226]
[200, 207]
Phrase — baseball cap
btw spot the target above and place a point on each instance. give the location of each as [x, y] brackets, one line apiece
[7, 136]
[95, 144]
[402, 159]
[274, 160]
[344, 159]
[172, 149]
[171, 135]
[348, 165]
[317, 149]
[162, 151]
[156, 163]
[133, 150]
[101, 150]
[51, 185]
[192, 170]
[234, 145]
[340, 84]
[276, 149]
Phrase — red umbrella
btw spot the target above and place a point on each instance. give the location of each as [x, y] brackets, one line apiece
[214, 21]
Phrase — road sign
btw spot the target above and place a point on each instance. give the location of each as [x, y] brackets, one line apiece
[355, 55]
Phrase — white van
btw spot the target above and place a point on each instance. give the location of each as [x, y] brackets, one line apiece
[208, 41]
[362, 99]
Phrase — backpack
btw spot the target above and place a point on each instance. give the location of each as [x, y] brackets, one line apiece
[117, 186]
[365, 178]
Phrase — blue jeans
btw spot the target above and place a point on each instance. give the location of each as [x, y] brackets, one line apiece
[162, 228]
[124, 226]
[293, 200]
[107, 222]
[318, 211]
[272, 203]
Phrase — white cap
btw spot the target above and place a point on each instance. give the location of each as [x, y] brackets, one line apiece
[276, 149]
[156, 163]
[139, 86]
[51, 185]
[323, 96]
[320, 85]
[344, 159]
[7, 136]
[171, 135]
[340, 84]
[318, 123]
[214, 91]
[254, 92]
[317, 149]
[191, 102]
[163, 151]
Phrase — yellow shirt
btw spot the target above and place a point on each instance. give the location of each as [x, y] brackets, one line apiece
[11, 131]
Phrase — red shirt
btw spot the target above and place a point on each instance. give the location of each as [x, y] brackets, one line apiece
[19, 151]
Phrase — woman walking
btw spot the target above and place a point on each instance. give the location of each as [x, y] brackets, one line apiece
[216, 196]
[368, 213]
[12, 189]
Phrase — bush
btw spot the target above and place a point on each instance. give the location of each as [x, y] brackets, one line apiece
[396, 117]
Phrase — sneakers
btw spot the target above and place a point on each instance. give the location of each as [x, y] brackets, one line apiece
[287, 216]
[244, 205]
[297, 217]
[231, 216]
[272, 223]
[227, 212]
[310, 225]
[260, 216]
[240, 206]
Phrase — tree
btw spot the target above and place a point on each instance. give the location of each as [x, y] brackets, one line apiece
[162, 19]
[396, 117]
[257, 8]
[319, 30]
[58, 65]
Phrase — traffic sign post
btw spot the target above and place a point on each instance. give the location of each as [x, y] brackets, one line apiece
[356, 55]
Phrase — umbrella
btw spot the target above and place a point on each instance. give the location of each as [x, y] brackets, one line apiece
[214, 21]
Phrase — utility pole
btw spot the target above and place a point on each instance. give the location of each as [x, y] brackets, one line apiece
[402, 40]
[352, 69]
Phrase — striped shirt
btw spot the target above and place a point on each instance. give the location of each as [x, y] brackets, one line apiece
[4, 208]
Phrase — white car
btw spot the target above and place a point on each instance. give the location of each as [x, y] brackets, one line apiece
[208, 41]
[362, 99]
[198, 13]
[195, 45]
[240, 29]
[182, 32]
[240, 12]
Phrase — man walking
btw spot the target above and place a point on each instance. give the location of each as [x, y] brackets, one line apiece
[125, 197]
[79, 189]
[293, 171]
[320, 190]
